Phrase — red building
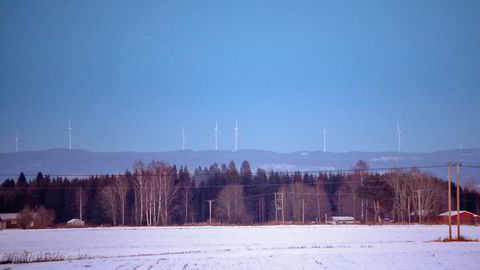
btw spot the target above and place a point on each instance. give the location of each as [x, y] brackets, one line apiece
[9, 221]
[465, 218]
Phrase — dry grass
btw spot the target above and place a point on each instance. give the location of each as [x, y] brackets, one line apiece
[28, 257]
[458, 239]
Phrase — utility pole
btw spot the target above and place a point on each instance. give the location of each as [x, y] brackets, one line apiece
[80, 193]
[338, 203]
[419, 208]
[362, 202]
[261, 208]
[450, 201]
[408, 203]
[279, 205]
[186, 206]
[303, 211]
[457, 181]
[210, 211]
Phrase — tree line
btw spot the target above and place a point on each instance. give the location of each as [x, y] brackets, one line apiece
[159, 194]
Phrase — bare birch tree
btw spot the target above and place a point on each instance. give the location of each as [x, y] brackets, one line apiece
[140, 174]
[231, 205]
[121, 189]
[109, 202]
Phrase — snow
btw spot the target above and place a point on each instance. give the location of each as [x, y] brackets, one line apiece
[244, 247]
[8, 216]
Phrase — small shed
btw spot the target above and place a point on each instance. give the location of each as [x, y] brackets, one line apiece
[465, 217]
[9, 221]
[76, 222]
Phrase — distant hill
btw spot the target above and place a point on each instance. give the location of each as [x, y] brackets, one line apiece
[79, 162]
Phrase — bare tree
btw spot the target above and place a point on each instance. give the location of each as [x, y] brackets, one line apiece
[377, 193]
[399, 181]
[121, 189]
[360, 172]
[44, 217]
[425, 194]
[300, 201]
[167, 190]
[140, 174]
[231, 205]
[25, 218]
[109, 202]
[321, 201]
[81, 200]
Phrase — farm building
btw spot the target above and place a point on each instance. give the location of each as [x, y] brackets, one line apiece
[17, 220]
[9, 221]
[465, 218]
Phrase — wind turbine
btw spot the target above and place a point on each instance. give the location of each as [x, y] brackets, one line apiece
[324, 140]
[69, 135]
[183, 138]
[16, 140]
[399, 134]
[236, 135]
[217, 131]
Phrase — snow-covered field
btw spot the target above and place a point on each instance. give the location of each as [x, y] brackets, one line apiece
[259, 247]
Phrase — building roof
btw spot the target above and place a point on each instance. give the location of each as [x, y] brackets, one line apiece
[8, 216]
[454, 213]
[75, 221]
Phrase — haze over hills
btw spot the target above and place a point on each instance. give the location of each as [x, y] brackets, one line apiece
[83, 162]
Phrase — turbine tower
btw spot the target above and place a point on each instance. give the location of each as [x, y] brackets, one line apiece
[324, 140]
[69, 135]
[217, 131]
[16, 140]
[236, 135]
[399, 134]
[183, 138]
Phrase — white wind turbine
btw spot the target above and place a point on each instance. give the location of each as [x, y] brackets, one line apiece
[16, 140]
[236, 135]
[324, 140]
[183, 138]
[217, 131]
[399, 134]
[69, 135]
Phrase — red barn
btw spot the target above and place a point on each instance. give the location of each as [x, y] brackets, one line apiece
[465, 218]
[9, 221]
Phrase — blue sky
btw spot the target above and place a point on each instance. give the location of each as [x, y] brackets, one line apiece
[131, 75]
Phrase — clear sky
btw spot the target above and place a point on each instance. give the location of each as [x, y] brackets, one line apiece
[131, 74]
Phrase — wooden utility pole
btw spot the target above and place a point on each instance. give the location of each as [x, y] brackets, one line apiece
[303, 211]
[457, 181]
[186, 205]
[210, 211]
[450, 201]
[338, 204]
[279, 205]
[81, 206]
[408, 203]
[419, 209]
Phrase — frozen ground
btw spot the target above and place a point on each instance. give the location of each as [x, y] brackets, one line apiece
[266, 247]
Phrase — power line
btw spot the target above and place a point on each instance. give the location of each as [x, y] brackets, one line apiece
[254, 173]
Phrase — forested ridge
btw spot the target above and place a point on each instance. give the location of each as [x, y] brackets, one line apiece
[160, 194]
